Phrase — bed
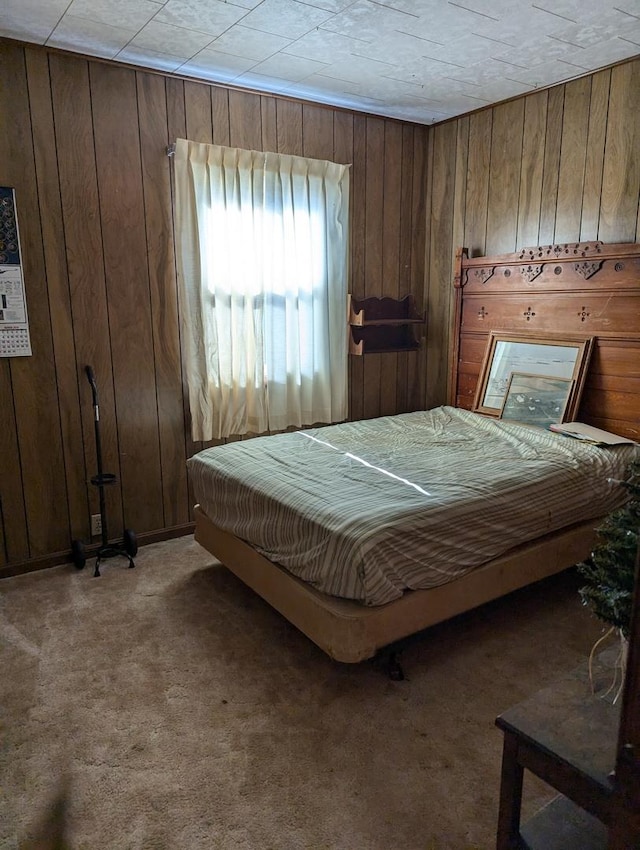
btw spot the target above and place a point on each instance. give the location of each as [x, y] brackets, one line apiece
[376, 592]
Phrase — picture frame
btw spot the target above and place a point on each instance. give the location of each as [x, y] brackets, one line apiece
[536, 399]
[547, 356]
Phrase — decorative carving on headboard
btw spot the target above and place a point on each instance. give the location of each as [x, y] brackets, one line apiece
[577, 249]
[482, 313]
[528, 314]
[587, 270]
[584, 314]
[484, 274]
[530, 273]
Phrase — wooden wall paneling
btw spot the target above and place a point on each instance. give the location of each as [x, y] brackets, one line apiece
[197, 108]
[358, 229]
[245, 130]
[33, 379]
[176, 123]
[53, 243]
[317, 132]
[220, 115]
[550, 171]
[504, 178]
[156, 184]
[460, 187]
[575, 127]
[457, 235]
[14, 542]
[404, 260]
[118, 160]
[269, 123]
[343, 151]
[621, 174]
[422, 172]
[289, 118]
[391, 252]
[13, 516]
[594, 158]
[422, 187]
[14, 539]
[176, 110]
[85, 262]
[440, 262]
[343, 138]
[535, 125]
[373, 282]
[480, 126]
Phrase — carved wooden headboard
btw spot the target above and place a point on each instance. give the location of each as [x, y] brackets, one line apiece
[590, 289]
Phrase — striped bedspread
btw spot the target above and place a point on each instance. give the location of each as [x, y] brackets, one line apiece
[366, 510]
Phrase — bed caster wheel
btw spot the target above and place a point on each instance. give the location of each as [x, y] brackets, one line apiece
[78, 555]
[130, 542]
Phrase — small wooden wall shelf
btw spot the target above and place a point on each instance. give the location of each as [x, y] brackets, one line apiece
[378, 325]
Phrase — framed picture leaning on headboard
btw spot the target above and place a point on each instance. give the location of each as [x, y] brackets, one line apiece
[545, 356]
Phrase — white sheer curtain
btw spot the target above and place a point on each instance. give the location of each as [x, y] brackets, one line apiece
[262, 250]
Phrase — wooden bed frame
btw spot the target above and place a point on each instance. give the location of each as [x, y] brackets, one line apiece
[589, 289]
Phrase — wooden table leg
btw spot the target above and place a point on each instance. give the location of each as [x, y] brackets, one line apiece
[508, 837]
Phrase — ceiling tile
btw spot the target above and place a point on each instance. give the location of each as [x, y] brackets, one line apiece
[293, 68]
[358, 69]
[85, 36]
[176, 41]
[253, 44]
[130, 14]
[29, 19]
[330, 5]
[580, 36]
[366, 21]
[149, 58]
[402, 47]
[246, 4]
[209, 16]
[328, 84]
[219, 66]
[579, 11]
[263, 82]
[323, 45]
[607, 52]
[285, 17]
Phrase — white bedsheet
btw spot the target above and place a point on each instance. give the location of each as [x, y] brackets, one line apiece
[366, 510]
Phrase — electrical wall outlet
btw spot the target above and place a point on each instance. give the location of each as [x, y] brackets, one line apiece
[96, 525]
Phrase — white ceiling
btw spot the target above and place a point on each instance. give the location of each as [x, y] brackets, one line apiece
[419, 60]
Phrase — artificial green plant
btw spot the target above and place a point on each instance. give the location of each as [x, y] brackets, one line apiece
[610, 571]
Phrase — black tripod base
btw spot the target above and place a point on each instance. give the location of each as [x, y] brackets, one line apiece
[127, 549]
[111, 551]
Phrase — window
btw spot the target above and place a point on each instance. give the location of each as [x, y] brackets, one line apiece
[262, 242]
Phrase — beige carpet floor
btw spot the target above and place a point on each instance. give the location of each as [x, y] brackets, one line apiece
[182, 713]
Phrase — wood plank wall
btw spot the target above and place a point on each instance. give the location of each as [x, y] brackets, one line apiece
[85, 149]
[555, 166]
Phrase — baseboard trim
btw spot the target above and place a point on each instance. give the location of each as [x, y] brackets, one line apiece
[54, 560]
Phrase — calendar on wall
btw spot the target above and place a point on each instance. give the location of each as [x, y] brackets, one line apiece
[14, 322]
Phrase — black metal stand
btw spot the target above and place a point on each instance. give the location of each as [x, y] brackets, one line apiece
[128, 548]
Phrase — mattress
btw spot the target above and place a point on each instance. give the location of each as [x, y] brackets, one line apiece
[367, 510]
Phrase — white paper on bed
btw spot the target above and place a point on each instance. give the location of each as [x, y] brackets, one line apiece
[587, 432]
[366, 510]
